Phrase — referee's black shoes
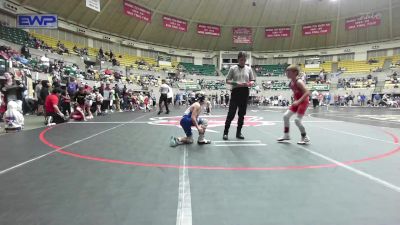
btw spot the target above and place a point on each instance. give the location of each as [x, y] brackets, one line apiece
[239, 136]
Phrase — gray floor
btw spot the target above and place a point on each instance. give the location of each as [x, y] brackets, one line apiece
[119, 169]
[31, 122]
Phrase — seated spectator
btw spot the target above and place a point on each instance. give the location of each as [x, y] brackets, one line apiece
[80, 105]
[13, 118]
[115, 62]
[111, 55]
[53, 113]
[14, 92]
[45, 63]
[108, 71]
[25, 52]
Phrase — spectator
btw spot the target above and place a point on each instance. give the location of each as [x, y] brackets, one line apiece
[65, 103]
[98, 101]
[164, 90]
[72, 87]
[314, 97]
[227, 99]
[377, 99]
[363, 98]
[80, 106]
[53, 113]
[117, 98]
[106, 97]
[101, 54]
[44, 91]
[40, 101]
[45, 63]
[170, 95]
[25, 52]
[111, 55]
[13, 118]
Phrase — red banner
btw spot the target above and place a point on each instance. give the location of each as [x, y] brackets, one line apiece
[277, 32]
[175, 23]
[364, 21]
[316, 29]
[242, 35]
[137, 11]
[210, 30]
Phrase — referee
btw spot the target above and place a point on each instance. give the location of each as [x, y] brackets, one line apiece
[241, 77]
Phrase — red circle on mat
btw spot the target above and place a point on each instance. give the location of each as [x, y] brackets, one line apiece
[143, 164]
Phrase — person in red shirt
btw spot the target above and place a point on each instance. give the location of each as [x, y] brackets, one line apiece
[88, 89]
[53, 113]
[301, 101]
[146, 102]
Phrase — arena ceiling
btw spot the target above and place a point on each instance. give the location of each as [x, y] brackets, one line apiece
[256, 14]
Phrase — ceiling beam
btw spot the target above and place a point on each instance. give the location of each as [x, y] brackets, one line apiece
[295, 24]
[43, 4]
[99, 14]
[147, 24]
[259, 23]
[23, 2]
[190, 22]
[337, 23]
[75, 8]
[230, 6]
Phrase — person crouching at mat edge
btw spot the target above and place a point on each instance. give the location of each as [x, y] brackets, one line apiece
[241, 78]
[191, 118]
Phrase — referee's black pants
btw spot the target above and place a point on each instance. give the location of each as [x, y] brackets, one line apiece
[239, 98]
[163, 98]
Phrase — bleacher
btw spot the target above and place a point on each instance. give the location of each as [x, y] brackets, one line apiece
[214, 85]
[124, 60]
[326, 66]
[392, 81]
[273, 70]
[275, 85]
[364, 66]
[353, 82]
[224, 71]
[206, 70]
[189, 86]
[16, 36]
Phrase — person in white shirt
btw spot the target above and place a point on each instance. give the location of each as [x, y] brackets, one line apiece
[241, 78]
[170, 95]
[45, 62]
[164, 90]
[13, 118]
[314, 97]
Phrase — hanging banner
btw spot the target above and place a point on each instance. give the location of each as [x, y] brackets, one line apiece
[317, 29]
[137, 11]
[93, 4]
[211, 30]
[364, 21]
[242, 35]
[175, 23]
[277, 32]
